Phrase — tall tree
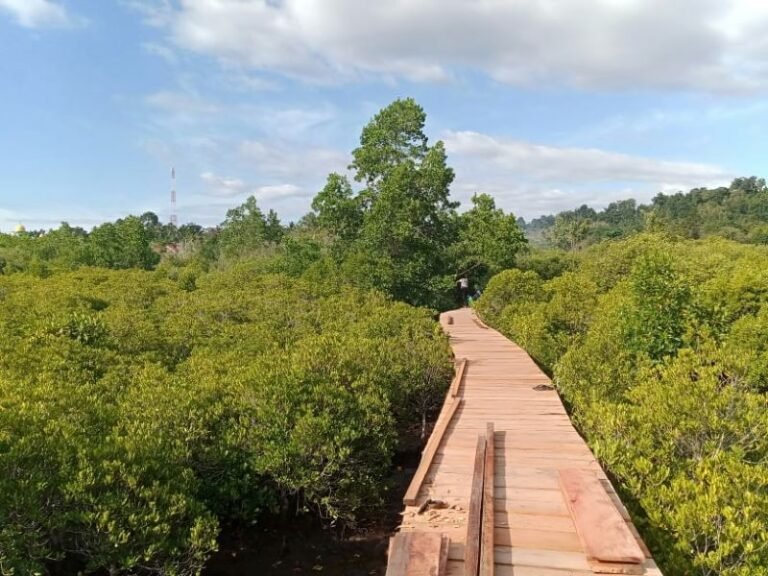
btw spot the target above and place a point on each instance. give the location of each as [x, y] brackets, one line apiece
[489, 239]
[568, 232]
[337, 208]
[407, 215]
[125, 243]
[244, 229]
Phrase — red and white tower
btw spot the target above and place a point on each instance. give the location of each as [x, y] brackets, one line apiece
[174, 217]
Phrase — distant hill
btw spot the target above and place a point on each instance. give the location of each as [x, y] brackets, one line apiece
[738, 212]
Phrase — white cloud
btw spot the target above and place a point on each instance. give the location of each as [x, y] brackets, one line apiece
[710, 45]
[37, 13]
[280, 191]
[156, 13]
[244, 82]
[161, 51]
[225, 187]
[50, 217]
[180, 102]
[555, 164]
[232, 187]
[532, 178]
[291, 162]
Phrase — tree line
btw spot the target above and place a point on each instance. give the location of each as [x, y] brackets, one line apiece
[394, 228]
[738, 212]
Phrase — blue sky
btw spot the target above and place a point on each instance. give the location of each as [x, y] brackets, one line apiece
[544, 104]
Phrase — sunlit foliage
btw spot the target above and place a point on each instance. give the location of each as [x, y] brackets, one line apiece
[659, 346]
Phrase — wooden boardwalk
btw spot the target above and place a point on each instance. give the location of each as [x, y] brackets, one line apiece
[539, 527]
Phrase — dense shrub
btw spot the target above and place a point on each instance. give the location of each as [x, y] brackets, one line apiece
[661, 348]
[139, 411]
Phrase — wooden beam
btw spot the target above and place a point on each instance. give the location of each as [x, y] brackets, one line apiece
[442, 570]
[449, 409]
[486, 548]
[601, 529]
[474, 516]
[457, 379]
[399, 552]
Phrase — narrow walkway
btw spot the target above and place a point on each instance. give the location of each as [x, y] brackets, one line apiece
[534, 531]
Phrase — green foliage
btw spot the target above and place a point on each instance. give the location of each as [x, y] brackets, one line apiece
[737, 212]
[394, 234]
[489, 240]
[547, 264]
[659, 346]
[510, 288]
[659, 303]
[246, 229]
[568, 232]
[140, 410]
[337, 208]
[124, 244]
[393, 137]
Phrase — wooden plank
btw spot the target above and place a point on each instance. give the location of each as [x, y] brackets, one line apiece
[521, 522]
[474, 519]
[615, 567]
[489, 478]
[457, 569]
[538, 539]
[541, 558]
[444, 548]
[425, 554]
[456, 384]
[399, 551]
[602, 530]
[411, 495]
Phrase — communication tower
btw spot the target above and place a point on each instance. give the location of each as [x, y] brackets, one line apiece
[174, 217]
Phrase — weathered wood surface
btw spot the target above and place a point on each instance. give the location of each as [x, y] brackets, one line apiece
[534, 440]
[446, 415]
[604, 534]
[418, 554]
[475, 517]
[399, 553]
[426, 554]
[488, 536]
[458, 378]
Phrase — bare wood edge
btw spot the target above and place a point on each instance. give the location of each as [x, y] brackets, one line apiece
[445, 547]
[478, 321]
[600, 566]
[474, 516]
[399, 553]
[411, 495]
[614, 496]
[487, 546]
[457, 379]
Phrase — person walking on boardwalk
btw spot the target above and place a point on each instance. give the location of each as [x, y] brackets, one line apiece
[463, 289]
